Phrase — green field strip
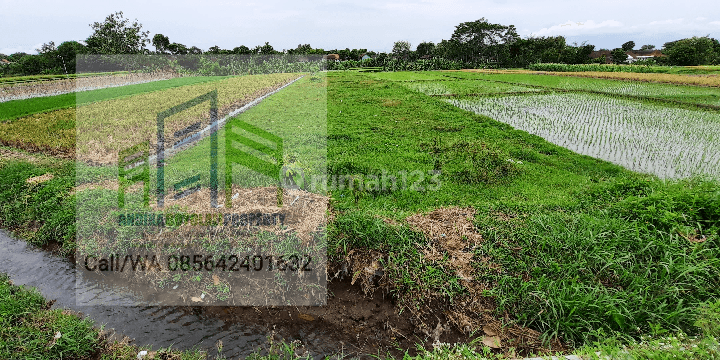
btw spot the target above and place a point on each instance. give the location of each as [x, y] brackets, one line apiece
[14, 109]
[680, 93]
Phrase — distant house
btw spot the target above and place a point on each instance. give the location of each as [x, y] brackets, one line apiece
[5, 61]
[335, 57]
[365, 57]
[601, 53]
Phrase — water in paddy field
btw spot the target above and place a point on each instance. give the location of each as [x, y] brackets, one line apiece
[670, 143]
[160, 327]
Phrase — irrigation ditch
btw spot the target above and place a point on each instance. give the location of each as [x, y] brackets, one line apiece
[352, 323]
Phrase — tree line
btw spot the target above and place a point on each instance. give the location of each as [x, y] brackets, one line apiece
[472, 44]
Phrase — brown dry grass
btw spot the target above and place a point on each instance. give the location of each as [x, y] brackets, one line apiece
[451, 232]
[40, 178]
[305, 212]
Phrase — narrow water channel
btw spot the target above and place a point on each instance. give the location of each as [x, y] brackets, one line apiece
[179, 327]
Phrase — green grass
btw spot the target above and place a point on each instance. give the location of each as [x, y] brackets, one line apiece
[28, 330]
[17, 108]
[682, 93]
[40, 212]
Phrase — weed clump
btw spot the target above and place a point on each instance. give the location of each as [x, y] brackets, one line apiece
[479, 163]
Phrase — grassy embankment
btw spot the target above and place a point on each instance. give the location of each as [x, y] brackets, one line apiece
[30, 329]
[571, 246]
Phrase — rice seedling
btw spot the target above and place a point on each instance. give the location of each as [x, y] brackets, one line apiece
[464, 88]
[409, 75]
[667, 142]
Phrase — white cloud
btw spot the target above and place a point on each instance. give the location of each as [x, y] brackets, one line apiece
[613, 27]
[666, 22]
[20, 48]
[579, 27]
[700, 18]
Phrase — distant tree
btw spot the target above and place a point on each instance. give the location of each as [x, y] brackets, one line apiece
[267, 49]
[401, 48]
[17, 56]
[647, 47]
[301, 49]
[539, 49]
[693, 51]
[448, 49]
[161, 43]
[47, 48]
[628, 46]
[67, 53]
[116, 35]
[577, 54]
[242, 50]
[195, 50]
[482, 40]
[425, 48]
[177, 49]
[618, 55]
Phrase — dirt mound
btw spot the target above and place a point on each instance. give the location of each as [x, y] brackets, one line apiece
[451, 232]
[453, 236]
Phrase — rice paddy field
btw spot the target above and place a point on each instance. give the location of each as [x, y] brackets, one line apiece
[529, 213]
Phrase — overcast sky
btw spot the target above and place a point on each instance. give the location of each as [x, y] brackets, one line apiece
[369, 24]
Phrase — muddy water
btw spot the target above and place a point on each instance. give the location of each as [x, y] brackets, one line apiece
[181, 327]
